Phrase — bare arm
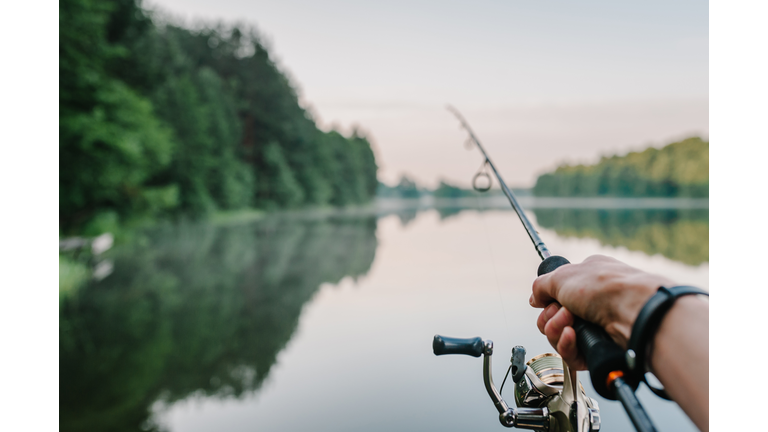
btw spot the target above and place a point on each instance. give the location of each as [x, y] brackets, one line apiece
[610, 293]
[680, 357]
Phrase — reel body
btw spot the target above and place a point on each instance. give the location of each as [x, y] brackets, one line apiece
[548, 395]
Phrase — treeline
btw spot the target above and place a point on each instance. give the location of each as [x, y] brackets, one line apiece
[156, 119]
[680, 169]
[405, 188]
[408, 188]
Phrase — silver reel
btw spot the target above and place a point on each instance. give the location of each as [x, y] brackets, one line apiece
[548, 395]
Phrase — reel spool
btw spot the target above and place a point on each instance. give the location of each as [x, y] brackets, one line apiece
[548, 368]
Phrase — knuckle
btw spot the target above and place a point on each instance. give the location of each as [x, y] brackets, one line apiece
[604, 276]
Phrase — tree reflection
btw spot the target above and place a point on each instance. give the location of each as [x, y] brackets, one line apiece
[449, 212]
[680, 235]
[196, 309]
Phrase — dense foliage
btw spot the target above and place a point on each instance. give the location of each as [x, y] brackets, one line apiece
[156, 119]
[680, 169]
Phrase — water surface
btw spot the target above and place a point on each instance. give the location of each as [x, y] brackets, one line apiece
[325, 323]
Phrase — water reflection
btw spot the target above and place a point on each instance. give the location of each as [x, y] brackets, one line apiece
[406, 216]
[196, 309]
[448, 212]
[203, 310]
[681, 235]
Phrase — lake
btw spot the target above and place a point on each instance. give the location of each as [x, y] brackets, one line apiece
[324, 321]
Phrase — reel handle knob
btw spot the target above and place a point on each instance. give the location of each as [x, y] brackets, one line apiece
[442, 345]
[518, 363]
[601, 353]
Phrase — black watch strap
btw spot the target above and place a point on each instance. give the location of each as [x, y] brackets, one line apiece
[646, 325]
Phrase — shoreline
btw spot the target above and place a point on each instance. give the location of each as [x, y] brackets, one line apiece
[532, 202]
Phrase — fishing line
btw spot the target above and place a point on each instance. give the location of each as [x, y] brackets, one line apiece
[506, 375]
[488, 243]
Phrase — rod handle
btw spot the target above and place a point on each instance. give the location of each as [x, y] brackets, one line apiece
[442, 345]
[601, 353]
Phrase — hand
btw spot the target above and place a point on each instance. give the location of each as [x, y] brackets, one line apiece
[601, 290]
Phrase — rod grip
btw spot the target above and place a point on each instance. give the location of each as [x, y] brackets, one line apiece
[601, 353]
[442, 345]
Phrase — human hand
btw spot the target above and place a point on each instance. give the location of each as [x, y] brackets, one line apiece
[601, 290]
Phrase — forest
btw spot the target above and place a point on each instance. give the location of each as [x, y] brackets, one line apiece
[160, 121]
[680, 169]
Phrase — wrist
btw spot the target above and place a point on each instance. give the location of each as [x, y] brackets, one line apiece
[634, 294]
[648, 326]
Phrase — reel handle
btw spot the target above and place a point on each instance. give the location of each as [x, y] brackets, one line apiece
[442, 345]
[601, 353]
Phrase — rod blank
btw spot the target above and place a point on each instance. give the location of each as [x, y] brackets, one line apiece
[541, 248]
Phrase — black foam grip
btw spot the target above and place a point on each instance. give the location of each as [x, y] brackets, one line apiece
[601, 353]
[442, 345]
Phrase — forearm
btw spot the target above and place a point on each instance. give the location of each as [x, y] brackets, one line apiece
[680, 357]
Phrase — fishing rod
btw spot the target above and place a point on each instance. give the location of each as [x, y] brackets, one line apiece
[548, 395]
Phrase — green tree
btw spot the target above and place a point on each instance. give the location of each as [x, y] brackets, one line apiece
[157, 119]
[110, 142]
[679, 169]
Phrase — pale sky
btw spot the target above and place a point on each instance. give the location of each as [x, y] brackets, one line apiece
[540, 82]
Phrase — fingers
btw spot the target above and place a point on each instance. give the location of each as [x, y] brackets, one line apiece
[568, 350]
[555, 325]
[543, 291]
[555, 321]
[547, 286]
[546, 314]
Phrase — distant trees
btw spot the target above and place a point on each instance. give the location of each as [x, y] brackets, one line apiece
[405, 188]
[408, 188]
[163, 120]
[445, 190]
[680, 169]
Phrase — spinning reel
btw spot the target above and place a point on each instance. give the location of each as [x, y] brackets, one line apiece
[548, 395]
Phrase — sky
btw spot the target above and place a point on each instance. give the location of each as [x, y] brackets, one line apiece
[541, 83]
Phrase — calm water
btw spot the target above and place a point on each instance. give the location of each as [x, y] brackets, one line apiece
[325, 323]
